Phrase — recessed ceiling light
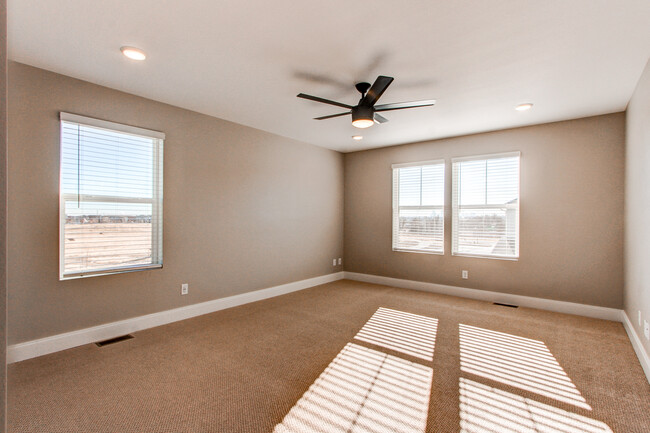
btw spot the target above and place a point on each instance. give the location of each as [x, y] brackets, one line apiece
[133, 53]
[524, 107]
[357, 137]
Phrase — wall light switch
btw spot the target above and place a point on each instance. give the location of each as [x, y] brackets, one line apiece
[646, 329]
[340, 261]
[333, 262]
[465, 275]
[185, 288]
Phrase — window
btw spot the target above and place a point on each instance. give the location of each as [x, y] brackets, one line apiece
[418, 207]
[485, 206]
[110, 197]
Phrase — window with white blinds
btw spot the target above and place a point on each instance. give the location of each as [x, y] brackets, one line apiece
[485, 206]
[110, 197]
[418, 207]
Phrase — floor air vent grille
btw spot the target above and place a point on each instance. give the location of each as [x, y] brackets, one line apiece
[505, 305]
[114, 340]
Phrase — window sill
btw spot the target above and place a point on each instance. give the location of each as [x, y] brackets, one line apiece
[402, 250]
[112, 271]
[479, 256]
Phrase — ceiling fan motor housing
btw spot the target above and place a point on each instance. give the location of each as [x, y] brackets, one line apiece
[362, 112]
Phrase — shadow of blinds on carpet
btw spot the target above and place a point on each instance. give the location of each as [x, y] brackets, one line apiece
[366, 390]
[516, 361]
[484, 409]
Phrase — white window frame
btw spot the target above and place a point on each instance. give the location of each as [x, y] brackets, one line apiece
[455, 205]
[156, 201]
[396, 207]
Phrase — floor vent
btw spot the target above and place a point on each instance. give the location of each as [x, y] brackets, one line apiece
[114, 340]
[505, 305]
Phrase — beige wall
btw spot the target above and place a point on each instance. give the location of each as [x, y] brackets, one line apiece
[637, 206]
[243, 209]
[571, 243]
[3, 210]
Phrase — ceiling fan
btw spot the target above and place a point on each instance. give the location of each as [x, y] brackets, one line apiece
[365, 113]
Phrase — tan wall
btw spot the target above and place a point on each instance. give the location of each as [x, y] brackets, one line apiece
[637, 206]
[571, 243]
[243, 209]
[3, 211]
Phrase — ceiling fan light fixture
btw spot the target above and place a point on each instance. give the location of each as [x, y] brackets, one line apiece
[363, 123]
[362, 117]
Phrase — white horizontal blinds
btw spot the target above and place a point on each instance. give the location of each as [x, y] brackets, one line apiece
[485, 206]
[111, 198]
[418, 207]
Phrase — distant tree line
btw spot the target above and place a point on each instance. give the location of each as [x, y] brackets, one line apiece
[420, 224]
[106, 219]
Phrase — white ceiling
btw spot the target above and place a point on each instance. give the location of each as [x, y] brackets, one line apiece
[245, 61]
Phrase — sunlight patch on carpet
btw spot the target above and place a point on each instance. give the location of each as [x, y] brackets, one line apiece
[363, 390]
[411, 334]
[516, 361]
[484, 409]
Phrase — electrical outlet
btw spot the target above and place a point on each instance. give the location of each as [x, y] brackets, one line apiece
[646, 329]
[340, 261]
[639, 317]
[465, 275]
[185, 288]
[333, 262]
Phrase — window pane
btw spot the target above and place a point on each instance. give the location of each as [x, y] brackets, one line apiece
[420, 229]
[472, 182]
[485, 206]
[418, 212]
[487, 232]
[410, 186]
[107, 235]
[433, 185]
[101, 162]
[111, 207]
[502, 180]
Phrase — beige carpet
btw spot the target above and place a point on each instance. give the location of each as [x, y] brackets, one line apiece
[344, 357]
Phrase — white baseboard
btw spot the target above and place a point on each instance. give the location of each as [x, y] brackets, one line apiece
[484, 295]
[644, 359]
[55, 343]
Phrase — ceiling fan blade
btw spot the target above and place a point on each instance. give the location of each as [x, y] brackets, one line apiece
[376, 90]
[403, 105]
[331, 115]
[380, 119]
[323, 100]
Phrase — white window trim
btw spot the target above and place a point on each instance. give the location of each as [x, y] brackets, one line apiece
[454, 204]
[111, 126]
[486, 156]
[156, 202]
[396, 207]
